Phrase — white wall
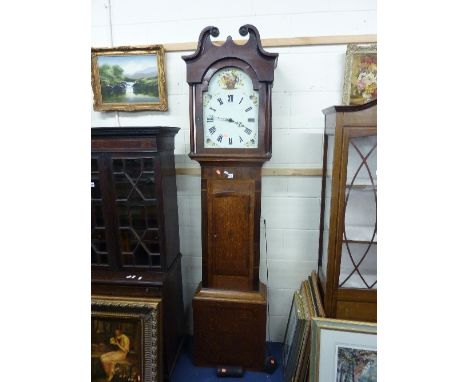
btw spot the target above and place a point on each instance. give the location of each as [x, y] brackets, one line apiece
[307, 80]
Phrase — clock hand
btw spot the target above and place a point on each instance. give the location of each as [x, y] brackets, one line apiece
[240, 124]
[224, 119]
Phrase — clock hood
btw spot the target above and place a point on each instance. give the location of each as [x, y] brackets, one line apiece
[252, 52]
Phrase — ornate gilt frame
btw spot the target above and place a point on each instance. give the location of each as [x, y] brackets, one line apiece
[148, 312]
[351, 51]
[316, 295]
[162, 105]
[318, 324]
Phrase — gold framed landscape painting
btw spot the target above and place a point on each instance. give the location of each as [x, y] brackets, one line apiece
[125, 339]
[360, 80]
[129, 78]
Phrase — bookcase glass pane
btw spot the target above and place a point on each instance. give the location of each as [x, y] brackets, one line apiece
[137, 219]
[122, 186]
[98, 237]
[95, 186]
[330, 139]
[367, 276]
[136, 202]
[359, 248]
[151, 240]
[362, 160]
[360, 214]
[134, 179]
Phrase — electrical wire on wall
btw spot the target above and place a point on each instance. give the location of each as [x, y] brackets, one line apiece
[266, 268]
[108, 5]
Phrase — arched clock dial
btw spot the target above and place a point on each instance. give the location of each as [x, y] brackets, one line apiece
[230, 111]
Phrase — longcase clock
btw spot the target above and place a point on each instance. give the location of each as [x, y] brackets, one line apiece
[230, 136]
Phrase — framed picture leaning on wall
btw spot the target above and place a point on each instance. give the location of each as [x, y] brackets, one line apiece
[125, 339]
[293, 337]
[129, 78]
[343, 351]
[360, 79]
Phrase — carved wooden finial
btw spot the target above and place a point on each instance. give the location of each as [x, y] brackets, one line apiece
[208, 53]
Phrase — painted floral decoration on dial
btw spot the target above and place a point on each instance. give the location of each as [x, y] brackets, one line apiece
[230, 111]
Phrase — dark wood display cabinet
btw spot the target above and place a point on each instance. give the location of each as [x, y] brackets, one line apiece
[134, 223]
[348, 227]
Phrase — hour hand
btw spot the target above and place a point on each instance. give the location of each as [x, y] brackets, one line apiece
[224, 119]
[240, 124]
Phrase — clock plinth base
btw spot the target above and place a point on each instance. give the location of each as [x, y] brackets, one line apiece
[229, 327]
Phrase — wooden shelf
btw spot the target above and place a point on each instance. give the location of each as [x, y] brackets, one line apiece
[285, 42]
[362, 186]
[267, 171]
[360, 241]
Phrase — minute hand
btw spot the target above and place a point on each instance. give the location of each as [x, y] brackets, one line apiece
[224, 119]
[240, 124]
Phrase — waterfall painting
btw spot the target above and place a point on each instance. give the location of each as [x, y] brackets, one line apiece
[129, 78]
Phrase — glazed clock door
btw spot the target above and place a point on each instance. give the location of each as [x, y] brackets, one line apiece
[230, 111]
[230, 256]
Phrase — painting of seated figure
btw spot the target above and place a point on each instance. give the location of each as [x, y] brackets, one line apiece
[125, 340]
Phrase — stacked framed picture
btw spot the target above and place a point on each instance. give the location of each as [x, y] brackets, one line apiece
[305, 306]
[343, 351]
[125, 339]
[293, 337]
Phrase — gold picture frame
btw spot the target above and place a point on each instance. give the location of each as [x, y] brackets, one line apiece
[360, 79]
[126, 339]
[340, 347]
[316, 296]
[129, 78]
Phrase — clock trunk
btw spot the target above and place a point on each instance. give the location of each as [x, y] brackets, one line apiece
[231, 196]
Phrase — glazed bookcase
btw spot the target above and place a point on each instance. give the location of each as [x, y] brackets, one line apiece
[134, 223]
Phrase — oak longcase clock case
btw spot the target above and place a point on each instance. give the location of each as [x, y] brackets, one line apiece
[348, 227]
[230, 136]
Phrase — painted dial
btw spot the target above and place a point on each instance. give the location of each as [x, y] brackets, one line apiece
[230, 111]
